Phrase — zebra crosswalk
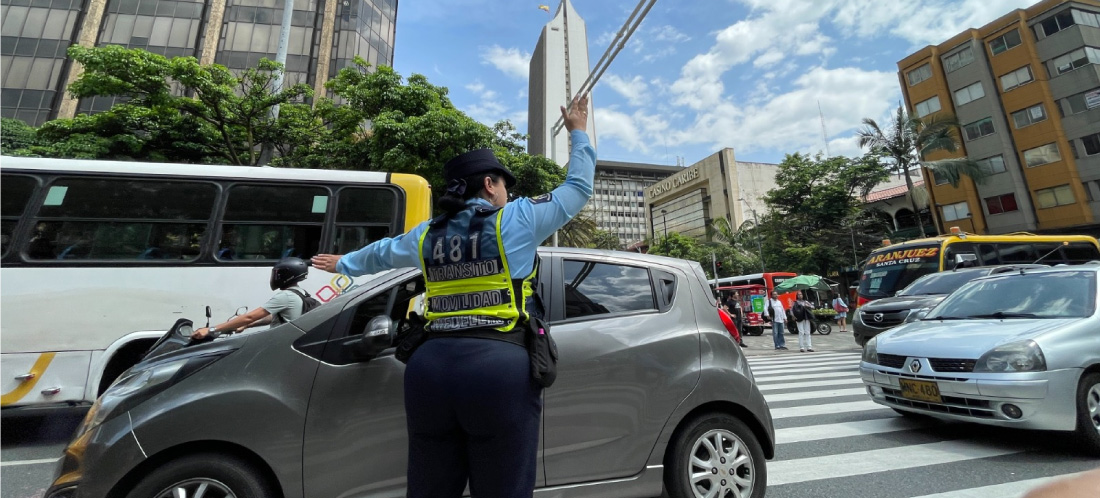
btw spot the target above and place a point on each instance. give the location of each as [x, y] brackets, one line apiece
[832, 440]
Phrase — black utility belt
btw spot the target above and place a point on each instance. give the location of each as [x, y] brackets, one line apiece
[513, 336]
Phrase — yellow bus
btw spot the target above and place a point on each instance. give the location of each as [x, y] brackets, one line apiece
[891, 268]
[99, 258]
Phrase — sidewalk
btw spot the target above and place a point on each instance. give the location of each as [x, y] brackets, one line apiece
[836, 341]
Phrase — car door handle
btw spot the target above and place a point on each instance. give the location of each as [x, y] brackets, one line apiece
[25, 377]
[50, 391]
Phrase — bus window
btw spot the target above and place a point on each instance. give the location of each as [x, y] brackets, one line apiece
[263, 222]
[363, 215]
[1080, 252]
[987, 254]
[120, 219]
[959, 256]
[15, 193]
[887, 272]
[1021, 252]
[1047, 253]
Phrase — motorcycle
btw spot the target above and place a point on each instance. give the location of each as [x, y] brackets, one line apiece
[179, 337]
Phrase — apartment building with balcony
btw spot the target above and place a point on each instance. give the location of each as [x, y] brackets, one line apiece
[1026, 88]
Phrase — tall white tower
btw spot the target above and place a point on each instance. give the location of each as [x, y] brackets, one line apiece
[558, 68]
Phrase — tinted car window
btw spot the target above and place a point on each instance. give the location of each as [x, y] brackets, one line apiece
[1069, 294]
[602, 288]
[939, 283]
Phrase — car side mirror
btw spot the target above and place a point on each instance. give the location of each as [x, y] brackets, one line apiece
[377, 337]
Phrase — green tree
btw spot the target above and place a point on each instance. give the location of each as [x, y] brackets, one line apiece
[604, 239]
[16, 135]
[814, 211]
[909, 139]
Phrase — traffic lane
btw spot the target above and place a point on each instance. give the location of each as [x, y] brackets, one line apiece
[836, 341]
[30, 445]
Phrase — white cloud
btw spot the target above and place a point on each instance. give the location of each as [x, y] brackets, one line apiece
[488, 109]
[510, 61]
[635, 90]
[670, 34]
[634, 132]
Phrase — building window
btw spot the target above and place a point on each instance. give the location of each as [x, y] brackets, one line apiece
[1058, 22]
[1042, 155]
[969, 94]
[1076, 104]
[937, 179]
[1029, 116]
[1005, 42]
[999, 204]
[1092, 144]
[1092, 190]
[1073, 60]
[979, 129]
[1016, 78]
[952, 212]
[1055, 196]
[920, 74]
[928, 107]
[992, 165]
[959, 59]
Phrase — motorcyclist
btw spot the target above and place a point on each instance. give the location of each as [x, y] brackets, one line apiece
[284, 306]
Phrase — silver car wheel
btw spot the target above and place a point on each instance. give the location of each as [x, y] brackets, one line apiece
[1093, 400]
[199, 487]
[721, 466]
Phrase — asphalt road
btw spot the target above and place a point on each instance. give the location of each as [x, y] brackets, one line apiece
[832, 441]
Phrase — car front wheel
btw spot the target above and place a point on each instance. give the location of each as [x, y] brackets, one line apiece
[716, 456]
[205, 475]
[1088, 412]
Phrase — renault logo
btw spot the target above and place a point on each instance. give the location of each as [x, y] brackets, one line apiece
[914, 366]
[877, 317]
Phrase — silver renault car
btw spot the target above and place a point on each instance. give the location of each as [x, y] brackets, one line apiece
[1016, 349]
[652, 396]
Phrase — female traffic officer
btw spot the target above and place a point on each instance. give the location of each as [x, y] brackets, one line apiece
[472, 408]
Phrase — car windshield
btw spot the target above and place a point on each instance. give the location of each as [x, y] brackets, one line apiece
[888, 271]
[1068, 294]
[939, 283]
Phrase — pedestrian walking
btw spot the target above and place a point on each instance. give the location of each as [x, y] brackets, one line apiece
[841, 309]
[802, 311]
[777, 313]
[472, 406]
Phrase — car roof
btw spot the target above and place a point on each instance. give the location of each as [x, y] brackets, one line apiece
[638, 257]
[1092, 266]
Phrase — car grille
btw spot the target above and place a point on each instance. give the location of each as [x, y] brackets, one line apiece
[891, 360]
[887, 319]
[952, 364]
[954, 405]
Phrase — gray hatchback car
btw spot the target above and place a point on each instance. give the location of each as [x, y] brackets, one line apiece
[652, 396]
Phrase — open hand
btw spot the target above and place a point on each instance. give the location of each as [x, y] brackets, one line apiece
[577, 117]
[326, 262]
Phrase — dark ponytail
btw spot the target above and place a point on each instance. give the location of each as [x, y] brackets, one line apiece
[459, 191]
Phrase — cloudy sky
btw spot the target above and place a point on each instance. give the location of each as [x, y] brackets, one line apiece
[698, 75]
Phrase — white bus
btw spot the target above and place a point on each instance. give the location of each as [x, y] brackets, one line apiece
[100, 258]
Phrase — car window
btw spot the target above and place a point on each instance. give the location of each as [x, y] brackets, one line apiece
[1070, 294]
[603, 288]
[939, 283]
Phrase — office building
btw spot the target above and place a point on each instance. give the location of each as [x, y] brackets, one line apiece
[719, 186]
[618, 202]
[559, 66]
[1026, 88]
[324, 37]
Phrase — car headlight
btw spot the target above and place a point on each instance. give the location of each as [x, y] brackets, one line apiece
[1022, 356]
[917, 314]
[136, 386]
[870, 351]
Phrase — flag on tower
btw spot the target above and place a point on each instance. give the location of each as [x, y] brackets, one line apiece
[544, 7]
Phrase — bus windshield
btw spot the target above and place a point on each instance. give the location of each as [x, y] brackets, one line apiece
[887, 272]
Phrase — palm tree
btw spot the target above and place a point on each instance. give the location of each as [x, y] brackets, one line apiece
[579, 231]
[910, 138]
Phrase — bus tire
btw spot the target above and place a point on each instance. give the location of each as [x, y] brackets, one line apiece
[126, 357]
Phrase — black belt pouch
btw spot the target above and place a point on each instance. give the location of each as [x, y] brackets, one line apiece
[542, 351]
[411, 339]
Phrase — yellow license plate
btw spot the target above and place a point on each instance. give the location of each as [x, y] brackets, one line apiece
[920, 390]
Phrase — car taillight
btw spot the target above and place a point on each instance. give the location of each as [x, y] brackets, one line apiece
[860, 301]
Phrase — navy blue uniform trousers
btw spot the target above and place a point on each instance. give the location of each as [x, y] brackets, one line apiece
[473, 414]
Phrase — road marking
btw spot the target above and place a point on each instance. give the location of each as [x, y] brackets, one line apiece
[1015, 488]
[825, 375]
[848, 429]
[826, 363]
[814, 383]
[885, 460]
[793, 369]
[758, 360]
[825, 409]
[832, 393]
[29, 462]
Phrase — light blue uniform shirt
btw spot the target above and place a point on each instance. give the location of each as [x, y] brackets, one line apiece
[525, 223]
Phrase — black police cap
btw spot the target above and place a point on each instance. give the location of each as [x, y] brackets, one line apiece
[474, 162]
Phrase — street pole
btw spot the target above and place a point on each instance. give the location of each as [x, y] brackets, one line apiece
[759, 246]
[714, 267]
[855, 258]
[664, 222]
[267, 151]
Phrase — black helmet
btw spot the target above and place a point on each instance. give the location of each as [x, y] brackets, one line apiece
[287, 272]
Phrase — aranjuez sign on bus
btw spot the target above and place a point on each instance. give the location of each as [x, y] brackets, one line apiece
[673, 182]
